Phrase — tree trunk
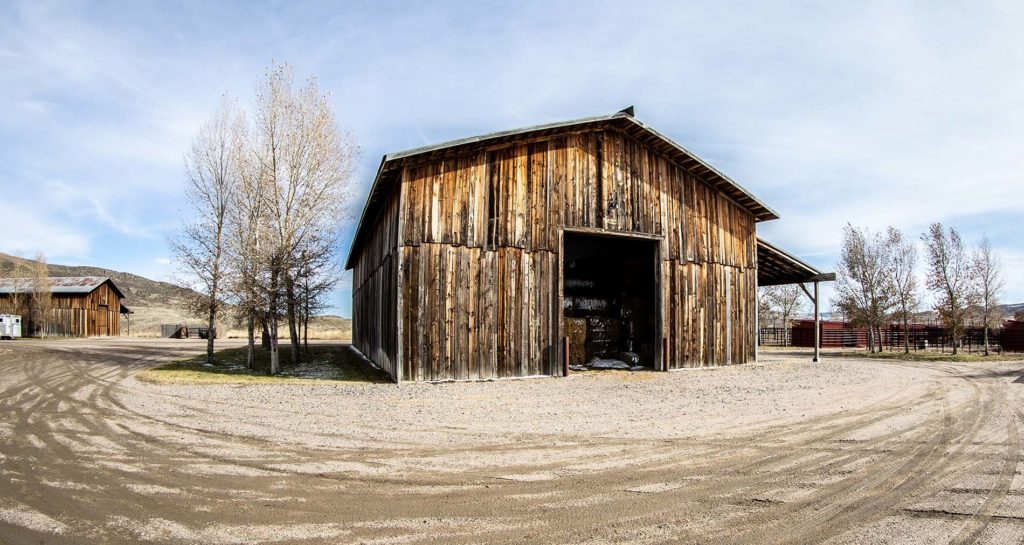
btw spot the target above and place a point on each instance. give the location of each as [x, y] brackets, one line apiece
[210, 334]
[275, 361]
[871, 339]
[290, 308]
[265, 336]
[275, 357]
[305, 323]
[906, 335]
[986, 339]
[250, 353]
[956, 341]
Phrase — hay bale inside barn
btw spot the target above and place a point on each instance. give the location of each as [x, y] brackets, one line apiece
[519, 253]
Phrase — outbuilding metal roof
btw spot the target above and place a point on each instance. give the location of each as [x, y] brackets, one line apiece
[776, 266]
[622, 120]
[59, 284]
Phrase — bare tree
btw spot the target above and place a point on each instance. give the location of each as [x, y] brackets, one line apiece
[18, 300]
[315, 279]
[41, 299]
[903, 280]
[307, 163]
[246, 254]
[787, 302]
[986, 270]
[765, 309]
[949, 278]
[211, 180]
[864, 290]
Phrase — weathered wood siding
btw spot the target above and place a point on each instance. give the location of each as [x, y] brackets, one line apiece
[478, 239]
[94, 314]
[374, 292]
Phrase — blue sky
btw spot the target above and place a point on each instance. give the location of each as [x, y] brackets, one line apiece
[872, 113]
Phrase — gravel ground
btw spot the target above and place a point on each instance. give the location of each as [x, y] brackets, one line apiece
[783, 451]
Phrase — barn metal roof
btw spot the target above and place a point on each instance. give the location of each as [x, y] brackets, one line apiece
[776, 266]
[59, 284]
[623, 120]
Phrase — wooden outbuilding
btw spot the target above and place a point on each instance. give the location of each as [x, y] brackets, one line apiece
[81, 306]
[517, 253]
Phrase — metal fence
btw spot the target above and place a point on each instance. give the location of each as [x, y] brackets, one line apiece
[892, 338]
[775, 336]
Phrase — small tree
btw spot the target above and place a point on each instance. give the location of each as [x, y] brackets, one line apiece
[306, 163]
[787, 302]
[864, 289]
[949, 278]
[211, 179]
[15, 271]
[986, 270]
[314, 280]
[765, 310]
[41, 299]
[902, 263]
[246, 253]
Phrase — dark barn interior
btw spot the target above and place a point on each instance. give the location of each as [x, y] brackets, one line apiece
[609, 299]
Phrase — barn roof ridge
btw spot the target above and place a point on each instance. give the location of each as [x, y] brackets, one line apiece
[700, 167]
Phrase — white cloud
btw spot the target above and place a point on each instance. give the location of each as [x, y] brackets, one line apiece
[27, 232]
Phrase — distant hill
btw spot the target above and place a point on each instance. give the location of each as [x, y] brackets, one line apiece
[1011, 309]
[153, 302]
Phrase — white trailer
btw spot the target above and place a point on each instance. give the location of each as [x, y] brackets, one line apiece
[10, 326]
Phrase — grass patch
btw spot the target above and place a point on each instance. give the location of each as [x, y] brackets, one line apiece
[929, 355]
[323, 364]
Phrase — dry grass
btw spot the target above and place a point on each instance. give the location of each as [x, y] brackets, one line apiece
[324, 364]
[930, 355]
[146, 321]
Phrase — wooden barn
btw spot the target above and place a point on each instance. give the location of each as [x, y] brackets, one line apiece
[81, 306]
[522, 252]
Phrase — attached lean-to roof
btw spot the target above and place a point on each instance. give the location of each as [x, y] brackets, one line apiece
[623, 120]
[59, 285]
[776, 267]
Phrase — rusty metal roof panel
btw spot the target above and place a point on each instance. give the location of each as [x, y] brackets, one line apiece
[58, 284]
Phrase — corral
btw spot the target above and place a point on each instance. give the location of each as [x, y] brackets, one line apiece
[518, 253]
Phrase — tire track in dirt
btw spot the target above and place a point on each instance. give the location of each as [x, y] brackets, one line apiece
[977, 525]
[639, 490]
[751, 479]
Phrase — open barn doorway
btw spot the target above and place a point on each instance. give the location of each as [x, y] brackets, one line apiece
[610, 310]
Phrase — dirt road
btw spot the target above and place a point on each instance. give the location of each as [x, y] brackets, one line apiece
[784, 451]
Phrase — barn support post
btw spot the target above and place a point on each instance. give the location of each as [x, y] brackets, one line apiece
[565, 356]
[817, 325]
[817, 320]
[757, 319]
